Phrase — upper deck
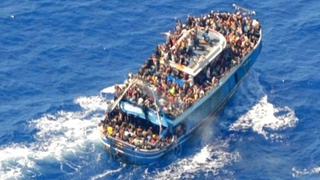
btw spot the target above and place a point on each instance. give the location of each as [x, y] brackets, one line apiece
[203, 55]
[181, 83]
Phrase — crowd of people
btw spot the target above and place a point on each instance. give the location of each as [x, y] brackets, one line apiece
[133, 130]
[176, 90]
[241, 33]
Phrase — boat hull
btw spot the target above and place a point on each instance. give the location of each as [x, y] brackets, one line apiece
[211, 104]
[201, 111]
[128, 154]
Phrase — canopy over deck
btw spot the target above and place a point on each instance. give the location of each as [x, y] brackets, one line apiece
[137, 111]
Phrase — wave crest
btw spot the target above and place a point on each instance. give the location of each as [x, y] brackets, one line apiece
[298, 173]
[57, 136]
[210, 161]
[265, 118]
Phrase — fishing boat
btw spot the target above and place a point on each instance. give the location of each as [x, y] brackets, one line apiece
[187, 80]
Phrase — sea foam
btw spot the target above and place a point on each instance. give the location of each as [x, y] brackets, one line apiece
[298, 173]
[209, 160]
[254, 112]
[57, 136]
[264, 118]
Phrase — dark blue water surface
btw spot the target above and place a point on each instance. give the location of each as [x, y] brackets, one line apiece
[56, 57]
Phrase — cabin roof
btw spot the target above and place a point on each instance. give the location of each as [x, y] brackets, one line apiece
[202, 57]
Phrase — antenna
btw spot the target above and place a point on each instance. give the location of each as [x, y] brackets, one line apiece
[245, 10]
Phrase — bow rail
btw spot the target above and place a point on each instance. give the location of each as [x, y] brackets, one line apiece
[244, 9]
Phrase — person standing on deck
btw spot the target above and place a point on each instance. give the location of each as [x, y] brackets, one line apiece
[168, 38]
[190, 81]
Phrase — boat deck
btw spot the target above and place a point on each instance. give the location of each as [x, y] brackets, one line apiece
[183, 108]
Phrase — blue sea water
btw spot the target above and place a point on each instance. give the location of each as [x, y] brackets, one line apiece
[56, 57]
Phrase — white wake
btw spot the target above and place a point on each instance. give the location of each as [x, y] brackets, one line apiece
[256, 113]
[265, 118]
[58, 135]
[67, 132]
[297, 173]
[210, 161]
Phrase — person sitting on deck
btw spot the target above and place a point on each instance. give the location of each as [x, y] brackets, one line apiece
[144, 133]
[110, 130]
[126, 135]
[154, 139]
[137, 142]
[208, 73]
